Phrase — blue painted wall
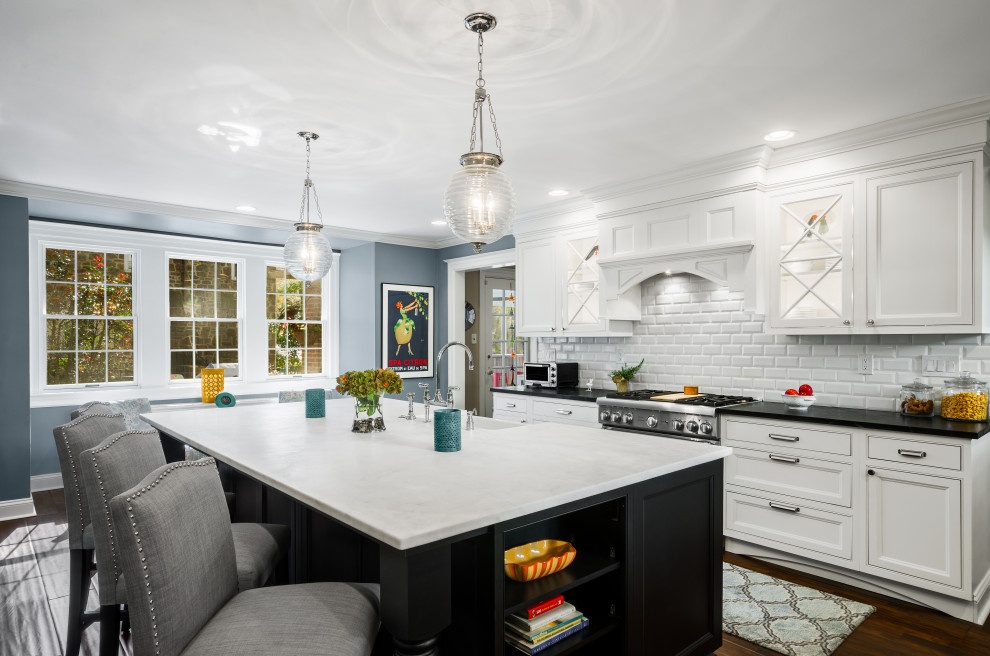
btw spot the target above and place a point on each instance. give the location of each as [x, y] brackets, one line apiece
[15, 430]
[358, 300]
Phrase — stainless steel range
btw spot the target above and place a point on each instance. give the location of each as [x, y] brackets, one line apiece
[667, 414]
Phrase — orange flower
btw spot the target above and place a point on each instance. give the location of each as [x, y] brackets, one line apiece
[398, 305]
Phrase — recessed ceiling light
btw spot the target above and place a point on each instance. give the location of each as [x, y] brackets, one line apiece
[779, 135]
[558, 192]
[438, 222]
[245, 208]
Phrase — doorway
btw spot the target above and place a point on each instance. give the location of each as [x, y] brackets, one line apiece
[503, 354]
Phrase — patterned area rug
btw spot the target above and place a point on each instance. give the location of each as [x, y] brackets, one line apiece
[786, 617]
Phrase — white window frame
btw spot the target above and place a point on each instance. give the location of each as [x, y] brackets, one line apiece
[322, 322]
[150, 252]
[241, 265]
[42, 281]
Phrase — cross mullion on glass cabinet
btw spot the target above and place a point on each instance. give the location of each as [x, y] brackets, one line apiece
[811, 280]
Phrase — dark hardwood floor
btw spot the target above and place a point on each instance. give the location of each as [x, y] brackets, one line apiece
[34, 576]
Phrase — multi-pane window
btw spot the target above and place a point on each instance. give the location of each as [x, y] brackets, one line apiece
[203, 312]
[89, 317]
[295, 324]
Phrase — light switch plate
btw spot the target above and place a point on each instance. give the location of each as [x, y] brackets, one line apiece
[939, 365]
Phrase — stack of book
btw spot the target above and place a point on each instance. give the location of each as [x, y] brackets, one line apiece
[544, 624]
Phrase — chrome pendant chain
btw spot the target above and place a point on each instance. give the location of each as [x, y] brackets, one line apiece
[308, 184]
[481, 95]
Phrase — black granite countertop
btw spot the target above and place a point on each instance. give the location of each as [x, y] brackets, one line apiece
[558, 393]
[867, 419]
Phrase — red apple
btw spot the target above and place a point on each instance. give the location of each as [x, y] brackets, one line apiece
[805, 390]
[791, 392]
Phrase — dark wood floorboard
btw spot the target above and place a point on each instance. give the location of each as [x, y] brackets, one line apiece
[34, 584]
[34, 604]
[897, 627]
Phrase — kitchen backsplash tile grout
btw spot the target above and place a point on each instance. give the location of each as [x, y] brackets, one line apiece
[695, 332]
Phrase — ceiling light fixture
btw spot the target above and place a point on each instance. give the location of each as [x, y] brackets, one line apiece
[307, 253]
[245, 208]
[480, 203]
[558, 192]
[779, 135]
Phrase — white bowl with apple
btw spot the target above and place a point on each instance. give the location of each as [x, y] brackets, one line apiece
[801, 398]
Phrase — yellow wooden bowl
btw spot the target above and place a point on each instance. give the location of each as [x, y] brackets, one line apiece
[535, 560]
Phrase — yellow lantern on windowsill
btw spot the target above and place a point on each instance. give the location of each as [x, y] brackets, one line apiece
[212, 382]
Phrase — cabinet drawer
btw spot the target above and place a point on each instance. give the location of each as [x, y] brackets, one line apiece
[930, 454]
[567, 412]
[792, 437]
[796, 476]
[789, 524]
[509, 415]
[510, 402]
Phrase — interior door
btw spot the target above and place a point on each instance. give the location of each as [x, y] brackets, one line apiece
[504, 356]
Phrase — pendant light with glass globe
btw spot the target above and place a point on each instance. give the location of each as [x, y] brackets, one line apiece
[480, 203]
[307, 252]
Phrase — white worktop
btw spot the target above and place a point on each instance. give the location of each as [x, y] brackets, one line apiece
[394, 487]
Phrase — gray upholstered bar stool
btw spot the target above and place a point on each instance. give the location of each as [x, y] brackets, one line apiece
[179, 565]
[117, 464]
[71, 440]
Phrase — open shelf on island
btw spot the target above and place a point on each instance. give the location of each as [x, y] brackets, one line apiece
[586, 567]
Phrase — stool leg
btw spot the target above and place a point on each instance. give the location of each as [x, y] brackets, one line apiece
[109, 630]
[80, 564]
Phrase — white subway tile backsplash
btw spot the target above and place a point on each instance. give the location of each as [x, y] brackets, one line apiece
[697, 333]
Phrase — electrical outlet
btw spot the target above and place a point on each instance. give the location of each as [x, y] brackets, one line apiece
[865, 365]
[932, 365]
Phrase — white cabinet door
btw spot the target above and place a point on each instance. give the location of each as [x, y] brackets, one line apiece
[914, 527]
[811, 278]
[537, 284]
[919, 249]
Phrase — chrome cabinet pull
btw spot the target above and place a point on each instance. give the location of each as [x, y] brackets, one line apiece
[846, 322]
[565, 412]
[784, 438]
[783, 506]
[910, 453]
[870, 322]
[791, 459]
[510, 405]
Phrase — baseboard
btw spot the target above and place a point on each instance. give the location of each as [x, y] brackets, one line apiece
[16, 509]
[46, 482]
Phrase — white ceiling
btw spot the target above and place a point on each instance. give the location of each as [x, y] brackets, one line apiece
[105, 96]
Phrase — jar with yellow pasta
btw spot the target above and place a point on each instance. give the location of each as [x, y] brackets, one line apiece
[965, 399]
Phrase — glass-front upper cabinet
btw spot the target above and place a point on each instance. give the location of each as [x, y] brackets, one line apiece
[581, 309]
[811, 262]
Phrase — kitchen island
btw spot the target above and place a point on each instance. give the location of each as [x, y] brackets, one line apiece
[644, 515]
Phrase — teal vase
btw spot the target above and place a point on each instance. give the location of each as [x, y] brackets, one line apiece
[447, 430]
[316, 403]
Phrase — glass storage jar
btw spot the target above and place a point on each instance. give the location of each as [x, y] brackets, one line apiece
[965, 399]
[917, 399]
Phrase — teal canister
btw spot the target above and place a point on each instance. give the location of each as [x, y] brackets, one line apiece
[316, 403]
[447, 430]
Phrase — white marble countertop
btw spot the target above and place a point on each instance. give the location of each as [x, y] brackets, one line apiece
[394, 487]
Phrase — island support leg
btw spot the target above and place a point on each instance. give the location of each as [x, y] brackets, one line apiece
[416, 604]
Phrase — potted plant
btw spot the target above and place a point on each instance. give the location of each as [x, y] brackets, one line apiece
[367, 388]
[623, 375]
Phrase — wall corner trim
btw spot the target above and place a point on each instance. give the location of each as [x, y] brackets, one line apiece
[44, 482]
[16, 509]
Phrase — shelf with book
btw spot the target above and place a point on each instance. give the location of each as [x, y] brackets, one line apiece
[598, 627]
[586, 568]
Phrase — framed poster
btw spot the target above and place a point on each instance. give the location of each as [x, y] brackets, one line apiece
[407, 330]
